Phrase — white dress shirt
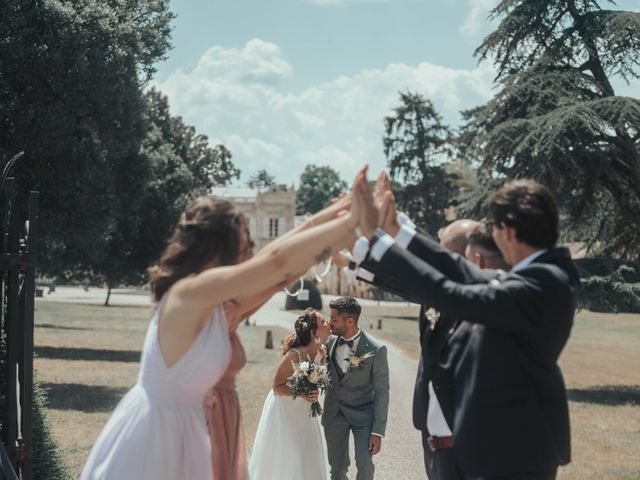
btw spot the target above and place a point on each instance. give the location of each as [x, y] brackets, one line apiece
[344, 352]
[525, 262]
[436, 423]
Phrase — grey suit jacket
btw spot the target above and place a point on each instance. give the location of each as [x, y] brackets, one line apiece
[362, 393]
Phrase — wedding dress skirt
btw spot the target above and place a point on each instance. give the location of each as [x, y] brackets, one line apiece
[289, 444]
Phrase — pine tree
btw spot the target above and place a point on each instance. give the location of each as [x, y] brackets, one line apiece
[417, 144]
[557, 117]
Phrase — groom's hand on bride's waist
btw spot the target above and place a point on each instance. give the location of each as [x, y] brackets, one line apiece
[375, 444]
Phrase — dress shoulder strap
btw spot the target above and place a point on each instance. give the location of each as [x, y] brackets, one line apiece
[297, 351]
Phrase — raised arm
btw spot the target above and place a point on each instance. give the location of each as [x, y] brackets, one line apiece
[517, 304]
[277, 262]
[451, 264]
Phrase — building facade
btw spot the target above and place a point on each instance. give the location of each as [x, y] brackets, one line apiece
[270, 211]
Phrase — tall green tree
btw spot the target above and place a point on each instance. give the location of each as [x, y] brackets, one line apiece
[72, 75]
[176, 164]
[557, 117]
[318, 185]
[262, 179]
[417, 144]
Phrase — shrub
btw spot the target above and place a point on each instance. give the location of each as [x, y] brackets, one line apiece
[47, 461]
[605, 294]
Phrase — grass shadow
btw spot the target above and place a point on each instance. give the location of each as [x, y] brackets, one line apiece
[83, 398]
[64, 353]
[607, 395]
[58, 327]
[397, 317]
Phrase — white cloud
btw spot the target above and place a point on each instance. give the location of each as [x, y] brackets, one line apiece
[235, 97]
[476, 23]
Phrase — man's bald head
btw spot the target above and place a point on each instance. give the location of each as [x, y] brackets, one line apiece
[454, 237]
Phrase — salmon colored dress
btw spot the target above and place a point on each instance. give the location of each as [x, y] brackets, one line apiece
[222, 412]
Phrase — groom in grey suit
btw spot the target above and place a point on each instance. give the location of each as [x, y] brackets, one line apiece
[359, 398]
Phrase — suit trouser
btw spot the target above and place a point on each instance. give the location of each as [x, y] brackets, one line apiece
[545, 475]
[337, 436]
[426, 451]
[442, 464]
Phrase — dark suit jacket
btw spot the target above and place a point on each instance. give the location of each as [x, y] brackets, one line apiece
[433, 339]
[511, 413]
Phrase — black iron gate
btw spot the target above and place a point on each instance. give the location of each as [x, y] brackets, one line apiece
[18, 240]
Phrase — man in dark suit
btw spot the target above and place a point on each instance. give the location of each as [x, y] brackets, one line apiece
[511, 414]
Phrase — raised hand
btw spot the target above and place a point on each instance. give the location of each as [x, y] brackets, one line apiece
[356, 200]
[382, 185]
[389, 214]
[368, 212]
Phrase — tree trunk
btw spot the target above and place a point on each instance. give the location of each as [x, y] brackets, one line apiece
[636, 173]
[594, 63]
[106, 302]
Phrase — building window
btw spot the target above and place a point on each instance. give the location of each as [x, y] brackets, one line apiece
[273, 227]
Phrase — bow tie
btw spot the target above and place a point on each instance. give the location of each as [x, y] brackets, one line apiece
[342, 341]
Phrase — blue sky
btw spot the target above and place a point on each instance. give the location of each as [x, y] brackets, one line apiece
[284, 83]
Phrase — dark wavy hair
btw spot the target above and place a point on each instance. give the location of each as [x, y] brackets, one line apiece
[528, 207]
[208, 229]
[305, 326]
[347, 306]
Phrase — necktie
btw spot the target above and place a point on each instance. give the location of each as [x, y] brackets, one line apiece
[342, 341]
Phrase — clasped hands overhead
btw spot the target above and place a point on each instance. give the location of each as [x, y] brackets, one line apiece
[373, 208]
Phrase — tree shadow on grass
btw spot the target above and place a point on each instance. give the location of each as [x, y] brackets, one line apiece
[58, 327]
[607, 395]
[83, 398]
[63, 353]
[401, 317]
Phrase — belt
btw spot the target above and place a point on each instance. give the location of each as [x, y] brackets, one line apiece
[439, 443]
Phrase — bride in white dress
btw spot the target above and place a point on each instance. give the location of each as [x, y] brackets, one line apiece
[158, 430]
[289, 443]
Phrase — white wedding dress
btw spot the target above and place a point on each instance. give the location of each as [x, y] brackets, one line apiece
[289, 444]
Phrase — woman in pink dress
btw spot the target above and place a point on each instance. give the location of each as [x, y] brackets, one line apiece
[222, 411]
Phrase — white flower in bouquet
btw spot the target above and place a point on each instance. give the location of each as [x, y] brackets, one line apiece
[304, 367]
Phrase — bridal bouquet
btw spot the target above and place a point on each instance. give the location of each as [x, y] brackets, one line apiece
[307, 377]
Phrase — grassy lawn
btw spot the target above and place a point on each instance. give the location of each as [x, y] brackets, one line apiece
[87, 358]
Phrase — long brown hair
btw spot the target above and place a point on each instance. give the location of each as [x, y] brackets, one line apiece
[306, 324]
[208, 229]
